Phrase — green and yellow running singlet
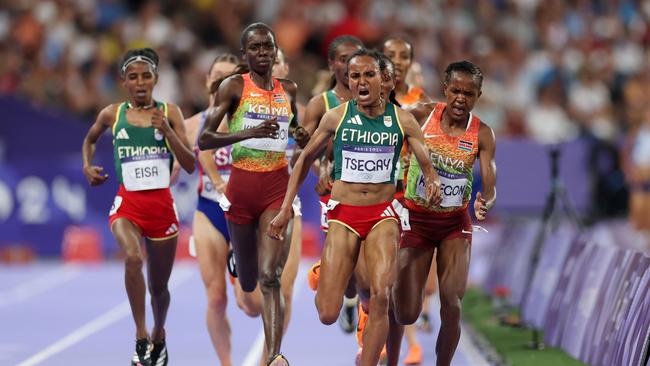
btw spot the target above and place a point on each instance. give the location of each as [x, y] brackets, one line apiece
[330, 99]
[143, 159]
[366, 150]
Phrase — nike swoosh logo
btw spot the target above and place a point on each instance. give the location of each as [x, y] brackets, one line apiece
[428, 136]
[256, 94]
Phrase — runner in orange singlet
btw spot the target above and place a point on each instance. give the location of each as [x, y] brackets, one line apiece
[261, 114]
[454, 138]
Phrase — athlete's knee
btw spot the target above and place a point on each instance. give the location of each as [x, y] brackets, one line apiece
[379, 299]
[407, 313]
[450, 306]
[158, 289]
[247, 283]
[270, 278]
[133, 262]
[249, 306]
[217, 299]
[328, 311]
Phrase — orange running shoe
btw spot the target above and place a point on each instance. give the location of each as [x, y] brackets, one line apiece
[361, 325]
[313, 275]
[414, 357]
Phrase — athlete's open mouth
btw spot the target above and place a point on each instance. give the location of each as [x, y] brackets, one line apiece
[458, 110]
[364, 93]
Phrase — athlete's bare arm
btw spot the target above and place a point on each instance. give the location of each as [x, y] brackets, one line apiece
[314, 112]
[94, 174]
[413, 134]
[297, 131]
[173, 129]
[318, 141]
[230, 92]
[421, 111]
[486, 150]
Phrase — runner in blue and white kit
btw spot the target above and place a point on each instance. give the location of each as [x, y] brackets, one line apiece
[210, 231]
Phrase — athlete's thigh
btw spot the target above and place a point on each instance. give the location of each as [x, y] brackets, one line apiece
[127, 235]
[453, 266]
[413, 267]
[338, 259]
[293, 261]
[160, 259]
[272, 253]
[211, 250]
[361, 272]
[432, 279]
[380, 254]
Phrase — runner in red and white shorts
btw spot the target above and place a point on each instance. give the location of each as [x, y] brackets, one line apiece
[454, 138]
[147, 136]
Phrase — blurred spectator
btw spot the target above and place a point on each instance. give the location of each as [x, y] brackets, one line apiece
[552, 69]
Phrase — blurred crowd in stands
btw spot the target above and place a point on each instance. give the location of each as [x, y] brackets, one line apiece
[554, 69]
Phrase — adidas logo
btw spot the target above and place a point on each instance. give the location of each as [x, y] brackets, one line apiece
[356, 120]
[172, 229]
[388, 212]
[122, 135]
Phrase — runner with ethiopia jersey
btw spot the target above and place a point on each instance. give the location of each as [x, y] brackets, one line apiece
[260, 115]
[454, 138]
[338, 53]
[147, 135]
[368, 135]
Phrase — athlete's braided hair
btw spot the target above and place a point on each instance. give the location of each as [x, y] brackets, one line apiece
[369, 53]
[389, 70]
[336, 42]
[334, 45]
[131, 56]
[466, 67]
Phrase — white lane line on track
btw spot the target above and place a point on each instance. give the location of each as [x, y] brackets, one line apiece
[38, 285]
[114, 314]
[255, 352]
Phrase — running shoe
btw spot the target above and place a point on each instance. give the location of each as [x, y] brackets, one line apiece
[231, 264]
[142, 354]
[278, 360]
[159, 355]
[414, 357]
[423, 323]
[313, 275]
[361, 325]
[346, 317]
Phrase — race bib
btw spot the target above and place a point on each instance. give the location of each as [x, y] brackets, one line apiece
[223, 160]
[145, 172]
[367, 164]
[452, 187]
[208, 191]
[252, 120]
